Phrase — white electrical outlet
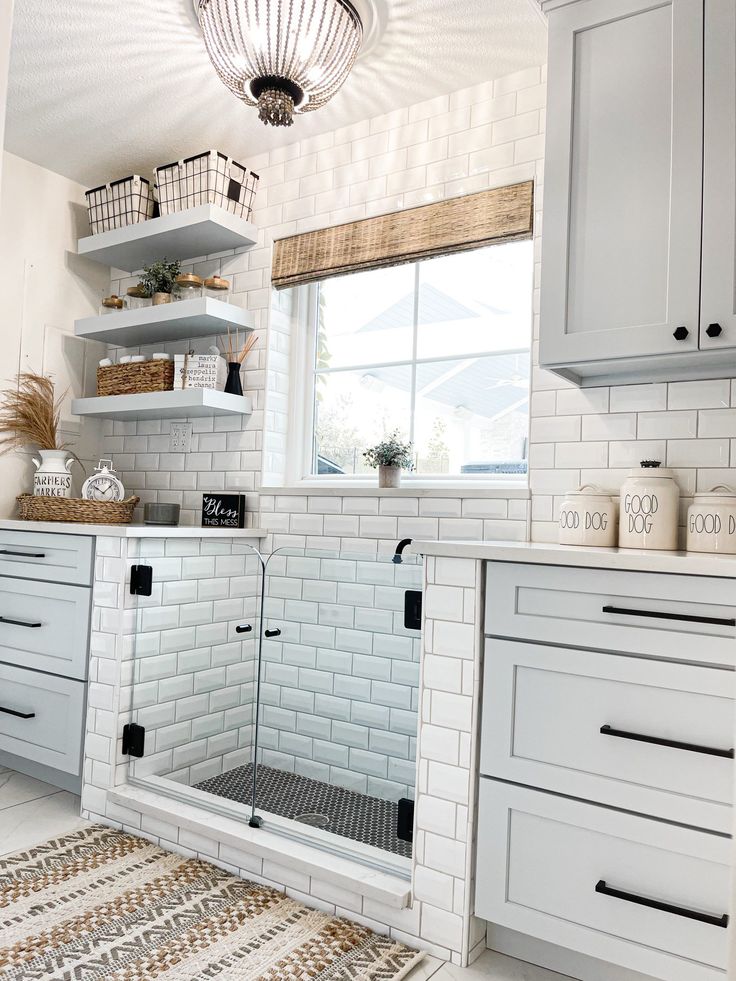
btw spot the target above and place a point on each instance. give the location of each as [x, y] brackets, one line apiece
[180, 437]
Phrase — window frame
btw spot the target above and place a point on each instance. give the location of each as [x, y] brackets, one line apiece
[301, 448]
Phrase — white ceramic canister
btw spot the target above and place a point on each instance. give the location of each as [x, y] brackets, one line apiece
[650, 501]
[52, 477]
[589, 516]
[711, 521]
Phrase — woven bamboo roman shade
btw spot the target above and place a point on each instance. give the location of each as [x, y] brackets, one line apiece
[500, 215]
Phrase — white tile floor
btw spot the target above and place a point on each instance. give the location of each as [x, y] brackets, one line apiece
[32, 811]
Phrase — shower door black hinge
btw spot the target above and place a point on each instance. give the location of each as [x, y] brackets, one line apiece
[413, 609]
[405, 820]
[134, 740]
[141, 580]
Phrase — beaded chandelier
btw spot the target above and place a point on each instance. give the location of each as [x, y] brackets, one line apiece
[284, 56]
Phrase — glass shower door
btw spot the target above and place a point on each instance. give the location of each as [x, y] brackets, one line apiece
[194, 660]
[337, 717]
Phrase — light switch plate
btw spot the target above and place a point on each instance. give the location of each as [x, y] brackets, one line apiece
[180, 437]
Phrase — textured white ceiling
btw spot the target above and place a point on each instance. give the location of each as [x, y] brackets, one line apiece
[102, 88]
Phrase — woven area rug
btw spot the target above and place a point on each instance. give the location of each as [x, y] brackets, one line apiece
[99, 903]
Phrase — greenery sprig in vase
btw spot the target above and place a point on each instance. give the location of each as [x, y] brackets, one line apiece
[159, 280]
[391, 456]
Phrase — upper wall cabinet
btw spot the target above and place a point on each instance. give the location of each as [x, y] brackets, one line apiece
[628, 92]
[718, 301]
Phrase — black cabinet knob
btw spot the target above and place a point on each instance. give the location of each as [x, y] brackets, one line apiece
[714, 330]
[272, 633]
[681, 333]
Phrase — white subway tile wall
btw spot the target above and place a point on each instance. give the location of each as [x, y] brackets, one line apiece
[340, 685]
[452, 145]
[194, 675]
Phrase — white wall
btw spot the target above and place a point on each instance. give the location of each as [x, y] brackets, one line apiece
[45, 288]
[6, 30]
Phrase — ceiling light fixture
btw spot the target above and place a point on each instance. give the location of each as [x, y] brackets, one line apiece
[285, 56]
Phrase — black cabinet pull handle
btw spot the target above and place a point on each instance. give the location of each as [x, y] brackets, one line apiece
[23, 555]
[243, 628]
[21, 623]
[714, 330]
[691, 914]
[638, 737]
[681, 333]
[687, 618]
[18, 715]
[272, 633]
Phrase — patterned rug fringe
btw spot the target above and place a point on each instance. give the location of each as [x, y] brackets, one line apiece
[103, 904]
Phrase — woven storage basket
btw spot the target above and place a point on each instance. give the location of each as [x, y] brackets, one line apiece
[75, 509]
[136, 377]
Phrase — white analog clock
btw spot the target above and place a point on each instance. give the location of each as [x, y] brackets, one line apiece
[104, 484]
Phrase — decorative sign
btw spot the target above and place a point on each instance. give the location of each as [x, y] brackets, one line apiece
[223, 511]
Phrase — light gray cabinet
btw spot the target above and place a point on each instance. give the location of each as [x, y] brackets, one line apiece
[718, 304]
[636, 90]
[45, 611]
[606, 766]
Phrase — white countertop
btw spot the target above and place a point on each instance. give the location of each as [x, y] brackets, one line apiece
[129, 531]
[541, 553]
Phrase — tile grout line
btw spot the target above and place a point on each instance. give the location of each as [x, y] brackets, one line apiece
[30, 800]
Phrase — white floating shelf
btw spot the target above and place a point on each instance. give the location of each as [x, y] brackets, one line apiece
[164, 405]
[184, 235]
[168, 322]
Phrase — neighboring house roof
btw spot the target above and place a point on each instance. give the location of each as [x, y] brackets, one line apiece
[435, 307]
[490, 386]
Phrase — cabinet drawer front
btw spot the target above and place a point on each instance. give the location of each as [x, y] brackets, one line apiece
[666, 747]
[688, 618]
[44, 625]
[541, 857]
[54, 558]
[42, 718]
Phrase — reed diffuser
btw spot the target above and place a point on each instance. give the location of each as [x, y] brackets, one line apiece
[236, 357]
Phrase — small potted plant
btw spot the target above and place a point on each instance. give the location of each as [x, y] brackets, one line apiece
[391, 456]
[159, 280]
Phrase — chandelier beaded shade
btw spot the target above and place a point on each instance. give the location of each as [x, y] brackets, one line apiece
[284, 56]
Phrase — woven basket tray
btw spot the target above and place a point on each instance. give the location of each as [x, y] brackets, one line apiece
[75, 509]
[132, 379]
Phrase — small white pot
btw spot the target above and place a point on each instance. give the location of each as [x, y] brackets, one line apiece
[52, 477]
[711, 521]
[589, 516]
[650, 501]
[389, 476]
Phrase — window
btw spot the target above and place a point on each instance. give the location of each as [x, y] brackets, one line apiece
[438, 349]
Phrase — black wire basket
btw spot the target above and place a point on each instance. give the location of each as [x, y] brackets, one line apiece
[119, 203]
[206, 178]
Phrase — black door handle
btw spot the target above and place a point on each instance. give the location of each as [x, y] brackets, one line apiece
[243, 628]
[21, 623]
[727, 754]
[681, 333]
[272, 633]
[23, 555]
[686, 617]
[714, 330]
[18, 715]
[691, 914]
